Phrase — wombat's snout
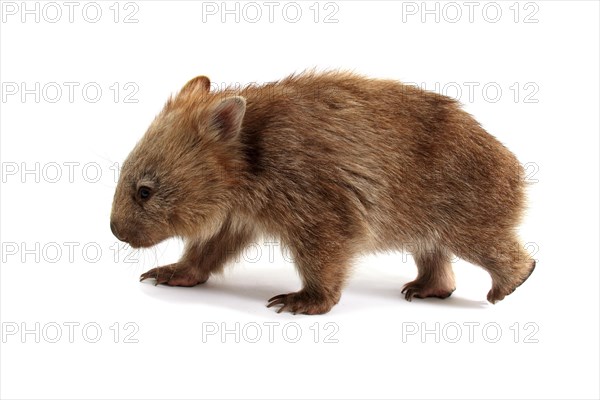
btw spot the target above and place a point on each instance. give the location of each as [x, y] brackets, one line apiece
[113, 228]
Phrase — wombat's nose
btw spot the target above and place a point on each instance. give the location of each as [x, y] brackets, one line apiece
[113, 228]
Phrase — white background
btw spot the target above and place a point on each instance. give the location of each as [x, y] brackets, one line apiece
[548, 343]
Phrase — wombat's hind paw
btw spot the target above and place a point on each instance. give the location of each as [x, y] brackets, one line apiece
[301, 303]
[498, 292]
[415, 289]
[173, 275]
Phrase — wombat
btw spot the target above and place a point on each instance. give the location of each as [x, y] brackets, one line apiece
[334, 165]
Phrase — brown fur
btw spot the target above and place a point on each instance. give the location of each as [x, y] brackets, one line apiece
[333, 164]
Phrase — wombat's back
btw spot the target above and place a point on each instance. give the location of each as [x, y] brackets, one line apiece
[397, 163]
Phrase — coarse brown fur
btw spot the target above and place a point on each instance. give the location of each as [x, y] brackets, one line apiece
[335, 165]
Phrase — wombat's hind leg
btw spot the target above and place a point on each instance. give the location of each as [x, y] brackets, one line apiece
[435, 277]
[504, 257]
[510, 266]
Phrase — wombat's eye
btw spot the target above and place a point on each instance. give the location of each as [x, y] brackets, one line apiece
[144, 192]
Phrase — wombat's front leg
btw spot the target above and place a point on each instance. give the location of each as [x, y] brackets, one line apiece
[178, 274]
[323, 268]
[200, 259]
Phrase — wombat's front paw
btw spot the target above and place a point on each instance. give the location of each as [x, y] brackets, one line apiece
[175, 275]
[302, 302]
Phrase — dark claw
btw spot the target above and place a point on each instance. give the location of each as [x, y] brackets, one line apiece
[300, 303]
[419, 292]
[409, 292]
[147, 275]
[279, 296]
[280, 300]
[274, 302]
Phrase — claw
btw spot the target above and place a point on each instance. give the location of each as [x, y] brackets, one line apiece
[419, 291]
[300, 303]
[408, 292]
[146, 275]
[272, 303]
[173, 275]
[279, 300]
[278, 297]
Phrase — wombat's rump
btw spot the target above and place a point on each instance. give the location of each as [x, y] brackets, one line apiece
[334, 165]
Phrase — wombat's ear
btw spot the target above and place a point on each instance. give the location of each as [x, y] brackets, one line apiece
[200, 85]
[228, 115]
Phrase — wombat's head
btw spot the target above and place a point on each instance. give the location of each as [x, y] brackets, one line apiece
[179, 179]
